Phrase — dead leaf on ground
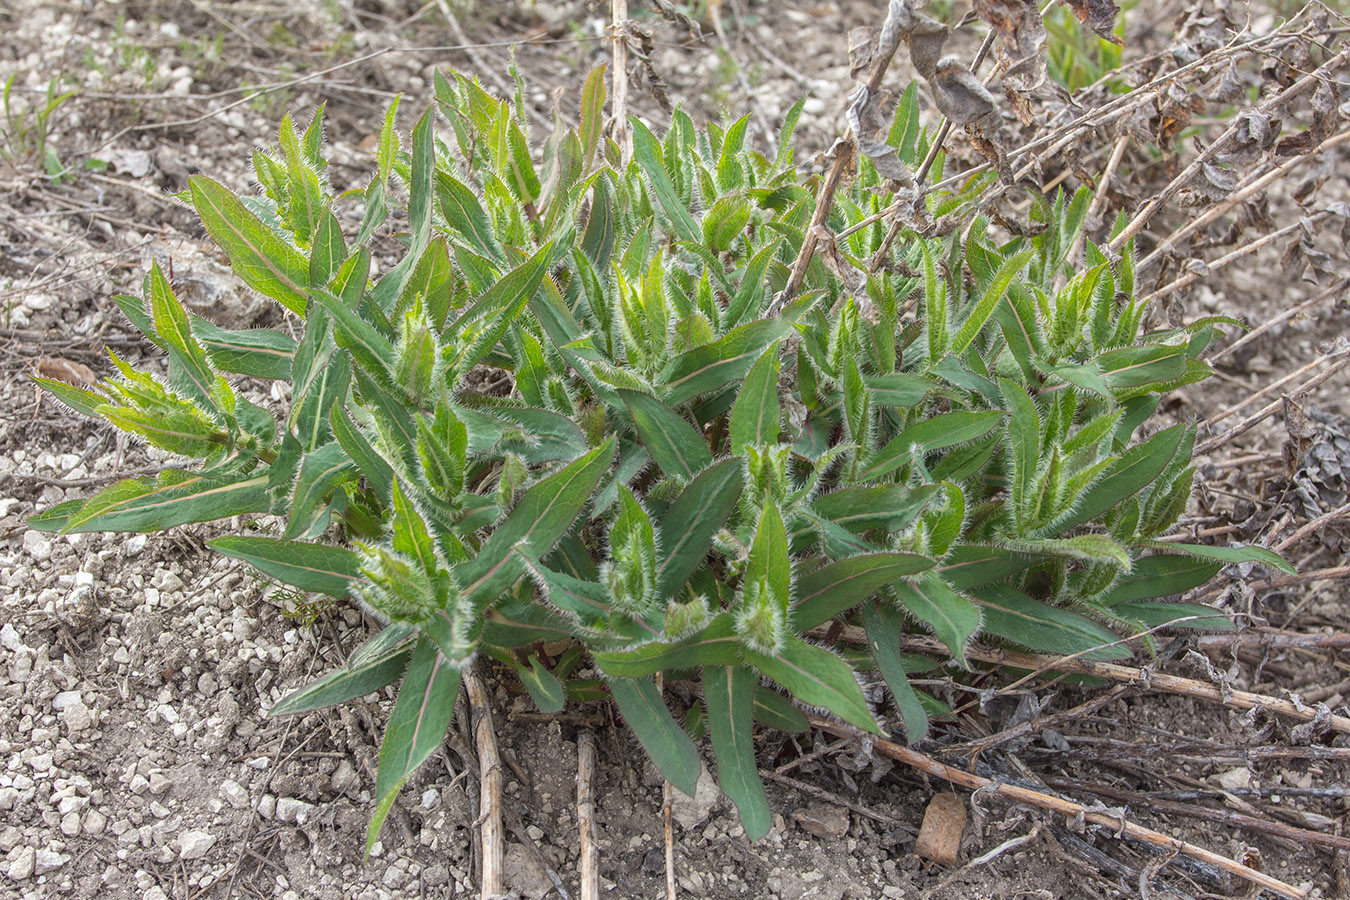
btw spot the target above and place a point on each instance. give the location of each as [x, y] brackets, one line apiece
[69, 371]
[940, 834]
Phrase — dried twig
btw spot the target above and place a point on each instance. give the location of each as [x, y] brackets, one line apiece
[1234, 255]
[1155, 203]
[1113, 824]
[587, 871]
[1241, 195]
[1337, 288]
[489, 824]
[1223, 816]
[1268, 638]
[1148, 680]
[1339, 360]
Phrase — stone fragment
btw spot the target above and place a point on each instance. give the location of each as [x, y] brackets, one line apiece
[45, 861]
[195, 844]
[21, 862]
[234, 793]
[824, 820]
[690, 812]
[523, 874]
[292, 810]
[37, 545]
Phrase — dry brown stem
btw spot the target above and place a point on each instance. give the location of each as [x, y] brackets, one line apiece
[587, 870]
[489, 822]
[1339, 360]
[1241, 195]
[1112, 824]
[1147, 680]
[618, 20]
[1280, 319]
[1233, 255]
[1223, 816]
[1173, 187]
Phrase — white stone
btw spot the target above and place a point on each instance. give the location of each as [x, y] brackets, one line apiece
[195, 844]
[48, 861]
[234, 793]
[65, 699]
[134, 545]
[690, 812]
[70, 824]
[431, 798]
[159, 783]
[37, 545]
[38, 302]
[290, 809]
[9, 638]
[77, 717]
[21, 860]
[95, 822]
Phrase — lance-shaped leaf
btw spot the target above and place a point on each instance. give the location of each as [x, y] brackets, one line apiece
[175, 498]
[937, 433]
[257, 254]
[816, 677]
[1152, 614]
[1232, 554]
[173, 328]
[728, 692]
[371, 350]
[1039, 626]
[839, 586]
[1135, 470]
[677, 448]
[885, 625]
[82, 401]
[422, 713]
[756, 417]
[310, 567]
[971, 565]
[592, 114]
[661, 736]
[545, 689]
[773, 710]
[715, 645]
[544, 514]
[321, 471]
[647, 154]
[953, 618]
[721, 362]
[376, 663]
[372, 466]
[465, 216]
[259, 352]
[979, 315]
[899, 389]
[890, 507]
[1134, 367]
[1160, 576]
[688, 526]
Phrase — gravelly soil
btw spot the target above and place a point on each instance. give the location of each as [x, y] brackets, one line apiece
[135, 759]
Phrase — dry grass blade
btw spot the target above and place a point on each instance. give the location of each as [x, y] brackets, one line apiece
[1115, 825]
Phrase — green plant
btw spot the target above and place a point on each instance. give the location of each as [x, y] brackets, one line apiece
[674, 482]
[1075, 56]
[28, 128]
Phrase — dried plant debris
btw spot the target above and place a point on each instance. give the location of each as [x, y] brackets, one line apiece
[1021, 32]
[1099, 15]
